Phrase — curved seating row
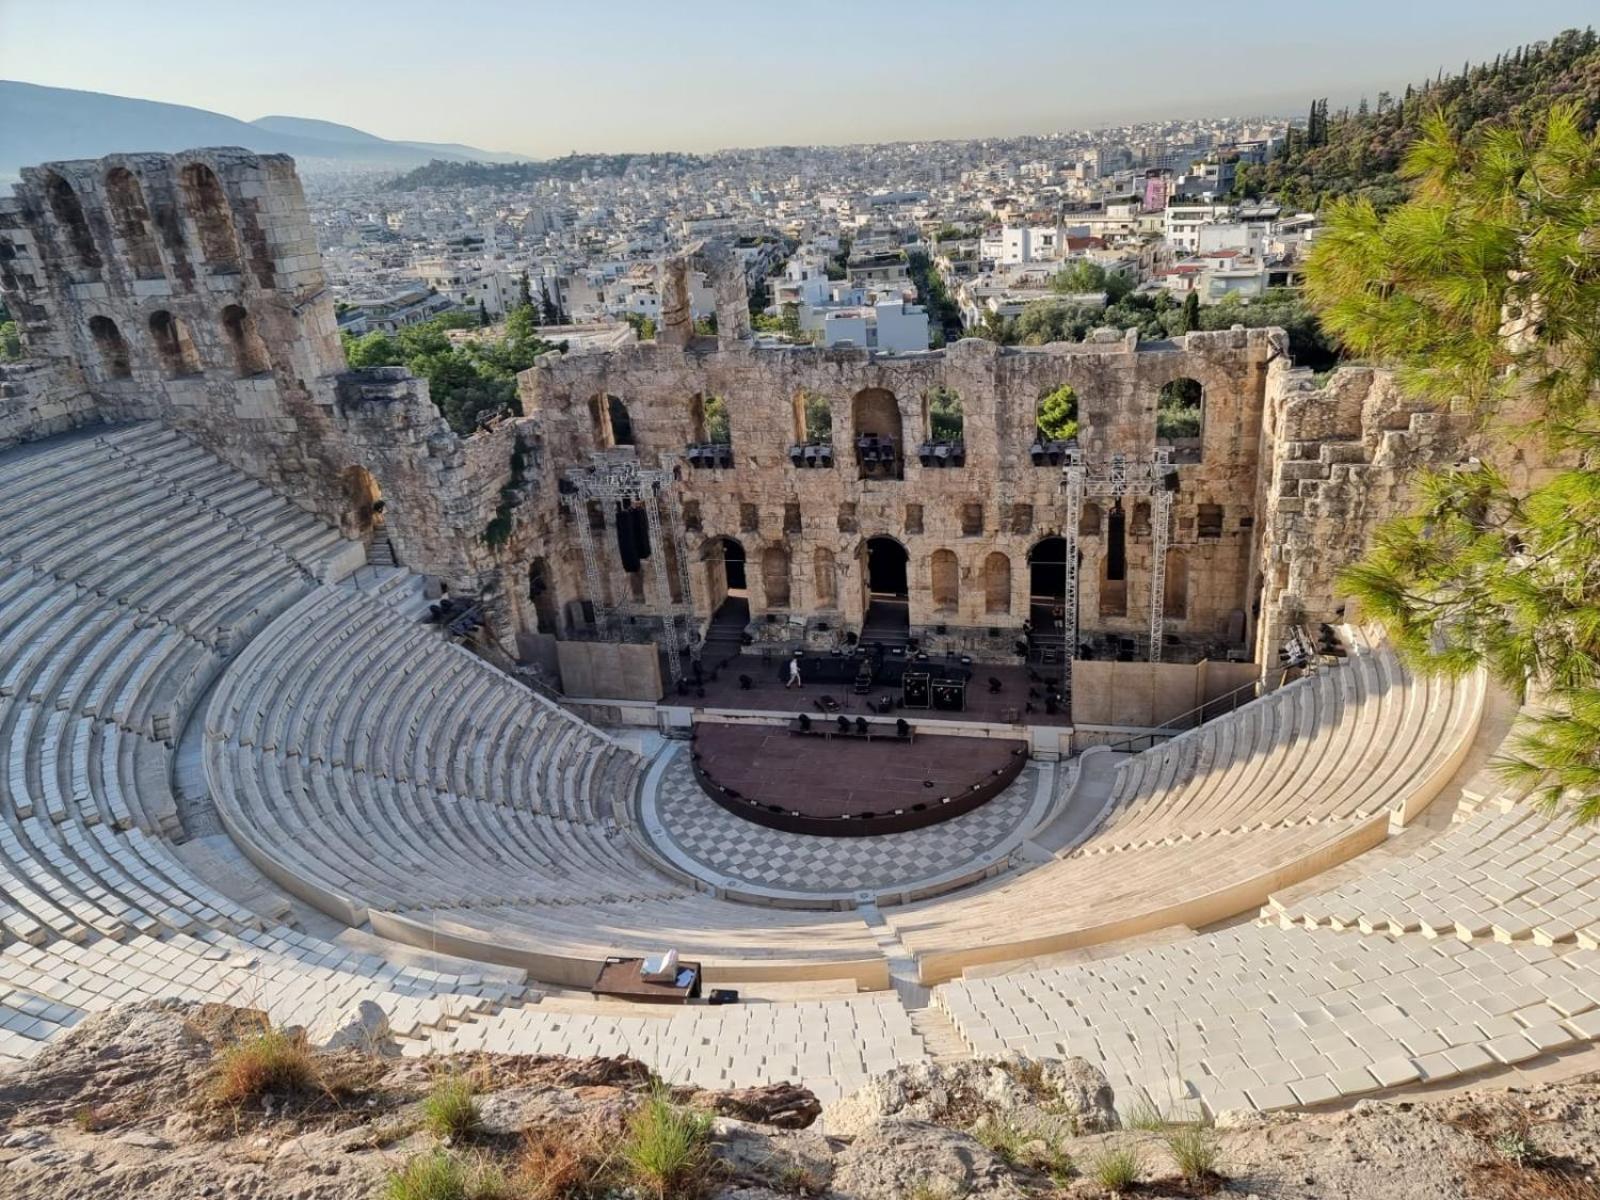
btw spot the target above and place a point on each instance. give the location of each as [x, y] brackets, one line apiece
[135, 561]
[1261, 1017]
[1504, 873]
[387, 776]
[1210, 824]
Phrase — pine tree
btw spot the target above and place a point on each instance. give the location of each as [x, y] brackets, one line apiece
[1482, 290]
[1191, 312]
[524, 296]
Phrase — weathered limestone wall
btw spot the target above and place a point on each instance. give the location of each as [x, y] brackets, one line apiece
[38, 399]
[1337, 462]
[809, 527]
[186, 288]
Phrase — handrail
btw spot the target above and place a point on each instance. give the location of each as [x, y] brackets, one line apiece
[1164, 730]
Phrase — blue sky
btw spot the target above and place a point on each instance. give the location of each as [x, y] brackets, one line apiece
[543, 78]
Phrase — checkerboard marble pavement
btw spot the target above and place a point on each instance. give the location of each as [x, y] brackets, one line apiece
[726, 845]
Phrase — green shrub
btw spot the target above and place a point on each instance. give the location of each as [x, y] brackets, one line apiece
[1116, 1168]
[665, 1148]
[440, 1175]
[1196, 1151]
[451, 1109]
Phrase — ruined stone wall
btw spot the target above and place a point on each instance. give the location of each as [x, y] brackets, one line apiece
[38, 399]
[1338, 458]
[186, 288]
[810, 520]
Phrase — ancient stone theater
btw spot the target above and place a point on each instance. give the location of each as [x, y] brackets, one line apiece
[923, 706]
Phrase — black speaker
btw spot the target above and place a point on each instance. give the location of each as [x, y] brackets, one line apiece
[1170, 481]
[914, 689]
[723, 996]
[949, 695]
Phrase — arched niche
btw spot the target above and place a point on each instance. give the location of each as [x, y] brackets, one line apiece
[1091, 519]
[826, 578]
[542, 592]
[996, 584]
[944, 571]
[249, 350]
[174, 347]
[1175, 596]
[208, 208]
[775, 576]
[112, 348]
[67, 209]
[131, 221]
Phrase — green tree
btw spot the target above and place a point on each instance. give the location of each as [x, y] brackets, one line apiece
[644, 328]
[548, 307]
[10, 342]
[1191, 312]
[1058, 414]
[945, 418]
[1483, 289]
[524, 292]
[483, 315]
[373, 350]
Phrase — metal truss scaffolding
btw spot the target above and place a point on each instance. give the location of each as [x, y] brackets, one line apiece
[612, 478]
[1115, 476]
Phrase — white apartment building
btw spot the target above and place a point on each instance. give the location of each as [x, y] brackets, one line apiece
[892, 326]
[1030, 243]
[1182, 223]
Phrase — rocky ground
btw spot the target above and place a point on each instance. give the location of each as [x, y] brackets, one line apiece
[128, 1105]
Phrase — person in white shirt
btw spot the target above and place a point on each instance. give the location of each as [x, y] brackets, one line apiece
[794, 674]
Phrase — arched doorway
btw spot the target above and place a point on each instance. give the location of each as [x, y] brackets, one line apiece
[733, 560]
[1047, 584]
[728, 598]
[888, 610]
[543, 594]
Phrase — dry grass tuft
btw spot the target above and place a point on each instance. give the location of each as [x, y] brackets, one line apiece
[560, 1163]
[271, 1062]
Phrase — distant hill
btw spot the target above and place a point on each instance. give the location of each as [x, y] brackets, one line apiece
[42, 124]
[1360, 153]
[439, 173]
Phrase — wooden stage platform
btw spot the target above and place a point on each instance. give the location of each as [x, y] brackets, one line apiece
[848, 787]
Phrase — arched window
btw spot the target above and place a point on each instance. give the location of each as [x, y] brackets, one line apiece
[1175, 598]
[875, 421]
[108, 340]
[131, 220]
[813, 419]
[1090, 519]
[708, 417]
[68, 212]
[249, 351]
[1114, 584]
[997, 584]
[946, 572]
[174, 346]
[827, 584]
[621, 422]
[1056, 418]
[775, 576]
[1180, 419]
[942, 416]
[543, 594]
[212, 217]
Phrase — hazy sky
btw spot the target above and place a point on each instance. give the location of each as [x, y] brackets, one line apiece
[543, 78]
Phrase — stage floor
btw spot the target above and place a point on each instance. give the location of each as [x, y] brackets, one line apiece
[769, 695]
[842, 776]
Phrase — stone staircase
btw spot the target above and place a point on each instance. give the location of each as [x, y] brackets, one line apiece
[724, 634]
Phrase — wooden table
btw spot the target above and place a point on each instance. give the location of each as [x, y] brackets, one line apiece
[621, 978]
